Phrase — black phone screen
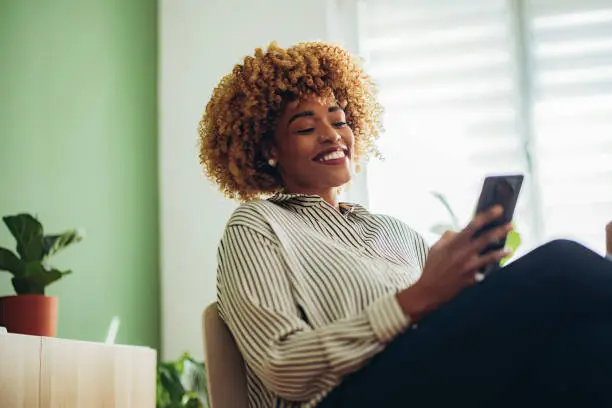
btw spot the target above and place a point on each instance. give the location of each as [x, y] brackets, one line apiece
[498, 190]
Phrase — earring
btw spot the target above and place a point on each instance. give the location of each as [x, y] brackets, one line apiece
[272, 162]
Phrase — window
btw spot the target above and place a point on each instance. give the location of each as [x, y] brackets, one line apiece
[493, 86]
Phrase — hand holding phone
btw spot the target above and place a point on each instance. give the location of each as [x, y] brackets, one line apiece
[503, 191]
[453, 263]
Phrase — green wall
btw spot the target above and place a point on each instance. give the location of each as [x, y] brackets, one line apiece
[78, 147]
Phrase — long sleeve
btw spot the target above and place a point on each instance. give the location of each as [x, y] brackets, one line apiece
[291, 358]
[420, 246]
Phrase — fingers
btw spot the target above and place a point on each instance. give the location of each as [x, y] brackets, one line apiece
[480, 221]
[478, 262]
[448, 235]
[491, 237]
[445, 239]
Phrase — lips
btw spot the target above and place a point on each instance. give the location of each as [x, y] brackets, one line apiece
[333, 153]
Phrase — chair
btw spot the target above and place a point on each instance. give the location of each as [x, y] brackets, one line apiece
[609, 239]
[225, 371]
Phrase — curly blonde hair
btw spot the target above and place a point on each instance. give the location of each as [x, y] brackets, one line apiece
[241, 115]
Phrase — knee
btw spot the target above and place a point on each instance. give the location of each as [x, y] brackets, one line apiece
[562, 251]
[553, 263]
[562, 246]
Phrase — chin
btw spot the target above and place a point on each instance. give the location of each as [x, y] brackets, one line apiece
[338, 180]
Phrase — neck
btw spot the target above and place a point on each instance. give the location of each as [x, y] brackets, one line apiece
[329, 195]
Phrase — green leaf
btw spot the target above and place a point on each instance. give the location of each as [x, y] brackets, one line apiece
[163, 398]
[35, 278]
[28, 233]
[170, 379]
[195, 376]
[191, 400]
[181, 383]
[179, 366]
[10, 262]
[513, 241]
[53, 243]
[23, 286]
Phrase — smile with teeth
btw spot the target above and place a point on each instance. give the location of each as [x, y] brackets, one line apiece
[338, 154]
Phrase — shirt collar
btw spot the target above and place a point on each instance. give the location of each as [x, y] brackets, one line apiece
[303, 200]
[307, 201]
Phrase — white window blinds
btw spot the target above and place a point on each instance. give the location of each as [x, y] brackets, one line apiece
[571, 51]
[479, 87]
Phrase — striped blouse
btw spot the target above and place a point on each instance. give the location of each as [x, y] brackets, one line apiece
[308, 292]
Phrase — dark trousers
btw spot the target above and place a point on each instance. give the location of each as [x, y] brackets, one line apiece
[536, 333]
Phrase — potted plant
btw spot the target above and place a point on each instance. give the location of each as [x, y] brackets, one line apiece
[30, 311]
[182, 384]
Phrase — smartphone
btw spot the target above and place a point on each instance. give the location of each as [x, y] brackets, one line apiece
[498, 190]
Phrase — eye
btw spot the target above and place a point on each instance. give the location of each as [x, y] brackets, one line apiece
[340, 124]
[305, 131]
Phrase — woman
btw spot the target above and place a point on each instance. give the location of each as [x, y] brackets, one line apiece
[334, 306]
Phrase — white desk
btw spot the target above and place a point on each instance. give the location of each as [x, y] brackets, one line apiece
[43, 372]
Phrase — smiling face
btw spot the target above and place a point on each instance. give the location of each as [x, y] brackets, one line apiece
[313, 147]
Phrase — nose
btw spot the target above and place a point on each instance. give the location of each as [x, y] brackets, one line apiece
[328, 134]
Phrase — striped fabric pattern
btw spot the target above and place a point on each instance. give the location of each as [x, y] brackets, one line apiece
[308, 292]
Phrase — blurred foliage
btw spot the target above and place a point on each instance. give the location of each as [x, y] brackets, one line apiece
[182, 383]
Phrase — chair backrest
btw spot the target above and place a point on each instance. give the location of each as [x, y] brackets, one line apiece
[609, 238]
[225, 372]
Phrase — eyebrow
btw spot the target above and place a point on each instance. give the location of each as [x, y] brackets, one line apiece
[311, 113]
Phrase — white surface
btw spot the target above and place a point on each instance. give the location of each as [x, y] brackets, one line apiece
[199, 42]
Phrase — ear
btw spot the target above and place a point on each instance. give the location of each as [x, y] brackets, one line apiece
[269, 150]
[273, 153]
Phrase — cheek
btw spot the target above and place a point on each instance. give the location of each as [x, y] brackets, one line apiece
[349, 137]
[301, 148]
